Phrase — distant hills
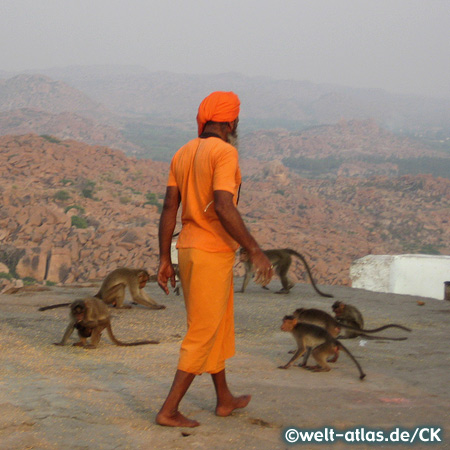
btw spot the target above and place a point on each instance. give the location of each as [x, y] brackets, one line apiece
[133, 90]
[150, 115]
[44, 94]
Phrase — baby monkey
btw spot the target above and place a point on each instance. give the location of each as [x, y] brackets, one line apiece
[316, 339]
[348, 315]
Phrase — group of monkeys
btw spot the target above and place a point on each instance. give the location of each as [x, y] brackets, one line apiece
[317, 332]
[91, 315]
[314, 330]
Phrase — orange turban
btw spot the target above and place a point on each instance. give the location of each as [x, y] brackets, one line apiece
[218, 107]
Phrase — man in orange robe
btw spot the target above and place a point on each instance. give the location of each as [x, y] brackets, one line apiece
[205, 178]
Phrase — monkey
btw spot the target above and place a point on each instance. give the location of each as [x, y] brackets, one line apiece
[90, 316]
[348, 315]
[281, 260]
[112, 290]
[329, 323]
[325, 320]
[311, 338]
[350, 318]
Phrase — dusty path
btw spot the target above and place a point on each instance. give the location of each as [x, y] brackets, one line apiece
[73, 399]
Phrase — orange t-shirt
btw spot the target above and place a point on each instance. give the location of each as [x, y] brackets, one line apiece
[199, 168]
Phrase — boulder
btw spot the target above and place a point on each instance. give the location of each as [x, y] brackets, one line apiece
[33, 264]
[59, 265]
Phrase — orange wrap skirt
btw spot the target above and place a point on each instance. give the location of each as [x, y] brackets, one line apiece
[207, 281]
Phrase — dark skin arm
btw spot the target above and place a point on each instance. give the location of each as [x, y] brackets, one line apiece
[167, 225]
[231, 220]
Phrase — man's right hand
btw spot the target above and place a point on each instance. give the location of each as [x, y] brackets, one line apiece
[263, 267]
[166, 272]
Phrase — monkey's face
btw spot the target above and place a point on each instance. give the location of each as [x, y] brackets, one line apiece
[289, 323]
[243, 255]
[338, 308]
[78, 310]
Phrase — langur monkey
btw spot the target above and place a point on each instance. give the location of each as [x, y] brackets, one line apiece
[90, 316]
[325, 320]
[281, 259]
[112, 290]
[316, 339]
[348, 315]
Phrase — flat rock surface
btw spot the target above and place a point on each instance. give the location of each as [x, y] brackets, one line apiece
[75, 399]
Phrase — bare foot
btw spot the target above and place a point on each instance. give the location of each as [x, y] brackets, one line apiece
[175, 420]
[236, 403]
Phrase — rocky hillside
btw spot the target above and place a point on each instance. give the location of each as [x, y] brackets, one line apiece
[348, 148]
[336, 221]
[64, 125]
[346, 139]
[71, 212]
[44, 94]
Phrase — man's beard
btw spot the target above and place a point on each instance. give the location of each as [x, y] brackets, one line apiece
[233, 138]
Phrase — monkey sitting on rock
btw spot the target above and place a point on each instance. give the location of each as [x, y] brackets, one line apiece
[90, 316]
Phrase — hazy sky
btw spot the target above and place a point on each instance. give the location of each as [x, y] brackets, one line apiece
[398, 45]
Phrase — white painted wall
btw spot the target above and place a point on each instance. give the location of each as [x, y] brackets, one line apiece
[422, 275]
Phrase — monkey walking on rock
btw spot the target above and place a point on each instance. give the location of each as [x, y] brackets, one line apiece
[112, 290]
[281, 259]
[311, 338]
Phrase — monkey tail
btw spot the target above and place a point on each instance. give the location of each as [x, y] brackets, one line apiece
[362, 375]
[381, 338]
[129, 344]
[301, 257]
[389, 325]
[59, 305]
[375, 330]
[126, 344]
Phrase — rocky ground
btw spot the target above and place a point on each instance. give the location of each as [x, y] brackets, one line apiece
[55, 398]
